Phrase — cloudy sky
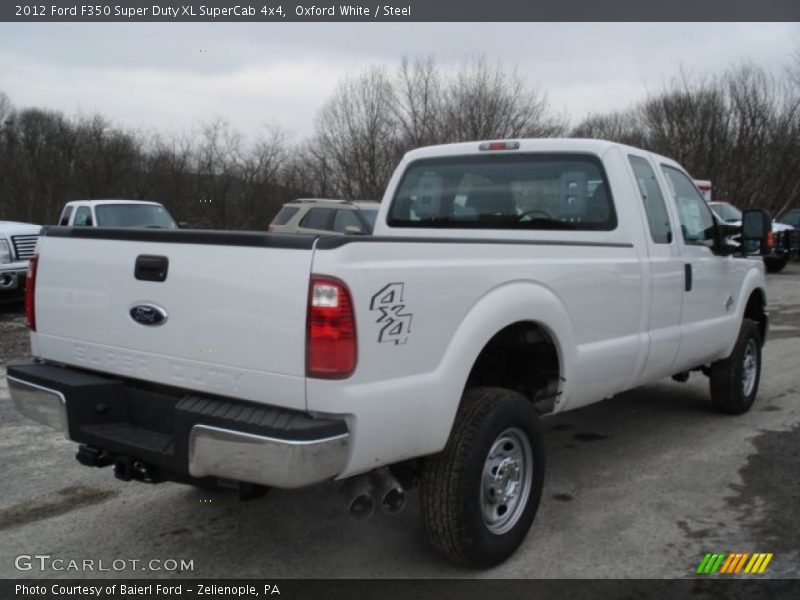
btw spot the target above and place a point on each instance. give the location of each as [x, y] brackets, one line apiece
[170, 76]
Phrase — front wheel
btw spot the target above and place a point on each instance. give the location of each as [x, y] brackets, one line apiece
[734, 380]
[480, 494]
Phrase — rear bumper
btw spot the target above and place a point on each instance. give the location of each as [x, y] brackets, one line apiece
[156, 433]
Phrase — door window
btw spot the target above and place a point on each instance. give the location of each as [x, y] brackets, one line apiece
[697, 224]
[346, 218]
[83, 217]
[318, 218]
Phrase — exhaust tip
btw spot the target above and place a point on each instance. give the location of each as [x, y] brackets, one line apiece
[393, 501]
[362, 507]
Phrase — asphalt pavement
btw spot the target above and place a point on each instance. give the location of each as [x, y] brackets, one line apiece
[641, 485]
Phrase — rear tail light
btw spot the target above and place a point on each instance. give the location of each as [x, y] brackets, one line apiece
[30, 293]
[770, 240]
[331, 346]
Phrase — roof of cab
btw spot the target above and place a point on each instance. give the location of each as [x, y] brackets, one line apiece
[116, 201]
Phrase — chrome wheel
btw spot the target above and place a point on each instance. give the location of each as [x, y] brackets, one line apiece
[506, 480]
[749, 367]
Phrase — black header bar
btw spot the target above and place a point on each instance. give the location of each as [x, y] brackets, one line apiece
[398, 11]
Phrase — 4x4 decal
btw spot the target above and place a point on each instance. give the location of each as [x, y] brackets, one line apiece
[394, 321]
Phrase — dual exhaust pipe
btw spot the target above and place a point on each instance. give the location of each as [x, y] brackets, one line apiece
[362, 492]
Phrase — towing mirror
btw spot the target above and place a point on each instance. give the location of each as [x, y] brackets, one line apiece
[757, 231]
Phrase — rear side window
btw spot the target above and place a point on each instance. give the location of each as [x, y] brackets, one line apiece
[284, 215]
[318, 218]
[653, 200]
[65, 216]
[83, 217]
[697, 224]
[517, 191]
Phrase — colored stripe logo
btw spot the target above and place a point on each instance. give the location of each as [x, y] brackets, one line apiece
[733, 563]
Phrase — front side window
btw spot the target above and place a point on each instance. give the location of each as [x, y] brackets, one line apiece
[83, 217]
[517, 191]
[653, 200]
[697, 224]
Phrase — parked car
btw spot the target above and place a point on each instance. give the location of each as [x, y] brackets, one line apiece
[322, 215]
[17, 245]
[505, 281]
[116, 213]
[784, 244]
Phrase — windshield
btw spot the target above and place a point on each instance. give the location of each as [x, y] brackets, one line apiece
[505, 191]
[727, 212]
[134, 215]
[791, 218]
[369, 216]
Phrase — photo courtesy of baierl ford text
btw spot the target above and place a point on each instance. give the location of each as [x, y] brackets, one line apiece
[428, 299]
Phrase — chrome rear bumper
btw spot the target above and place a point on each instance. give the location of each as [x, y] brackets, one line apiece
[214, 451]
[44, 405]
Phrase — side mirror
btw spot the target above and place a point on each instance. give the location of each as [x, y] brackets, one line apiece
[757, 231]
[353, 230]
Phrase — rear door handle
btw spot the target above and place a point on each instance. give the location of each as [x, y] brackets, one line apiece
[687, 273]
[151, 268]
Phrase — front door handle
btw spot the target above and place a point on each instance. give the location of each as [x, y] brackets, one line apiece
[687, 273]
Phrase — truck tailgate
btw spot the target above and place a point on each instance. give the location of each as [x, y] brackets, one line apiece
[235, 308]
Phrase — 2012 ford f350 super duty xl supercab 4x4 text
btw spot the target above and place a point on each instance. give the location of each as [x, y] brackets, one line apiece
[504, 281]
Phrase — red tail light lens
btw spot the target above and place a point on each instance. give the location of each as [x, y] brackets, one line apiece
[331, 346]
[770, 240]
[30, 293]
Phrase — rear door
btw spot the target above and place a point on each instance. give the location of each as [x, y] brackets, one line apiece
[665, 267]
[231, 306]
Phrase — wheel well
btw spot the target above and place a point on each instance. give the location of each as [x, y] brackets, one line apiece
[521, 357]
[756, 309]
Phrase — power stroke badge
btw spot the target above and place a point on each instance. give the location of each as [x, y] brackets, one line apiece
[393, 318]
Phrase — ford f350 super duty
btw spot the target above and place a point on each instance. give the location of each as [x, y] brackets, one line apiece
[505, 281]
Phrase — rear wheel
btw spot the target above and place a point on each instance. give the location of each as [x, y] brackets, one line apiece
[480, 494]
[734, 380]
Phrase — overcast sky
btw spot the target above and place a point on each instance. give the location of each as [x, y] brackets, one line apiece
[170, 76]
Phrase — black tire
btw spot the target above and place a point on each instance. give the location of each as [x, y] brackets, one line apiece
[774, 264]
[453, 486]
[731, 392]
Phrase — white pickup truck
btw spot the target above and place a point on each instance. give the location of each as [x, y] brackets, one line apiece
[504, 281]
[116, 213]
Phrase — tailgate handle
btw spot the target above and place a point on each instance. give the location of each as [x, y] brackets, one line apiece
[151, 268]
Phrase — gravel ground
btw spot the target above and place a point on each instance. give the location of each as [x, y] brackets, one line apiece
[638, 486]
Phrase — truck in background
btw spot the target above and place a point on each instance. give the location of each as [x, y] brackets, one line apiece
[116, 213]
[17, 246]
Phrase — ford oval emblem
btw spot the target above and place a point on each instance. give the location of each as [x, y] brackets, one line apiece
[148, 314]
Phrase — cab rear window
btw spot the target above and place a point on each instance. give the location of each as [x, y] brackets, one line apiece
[511, 191]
